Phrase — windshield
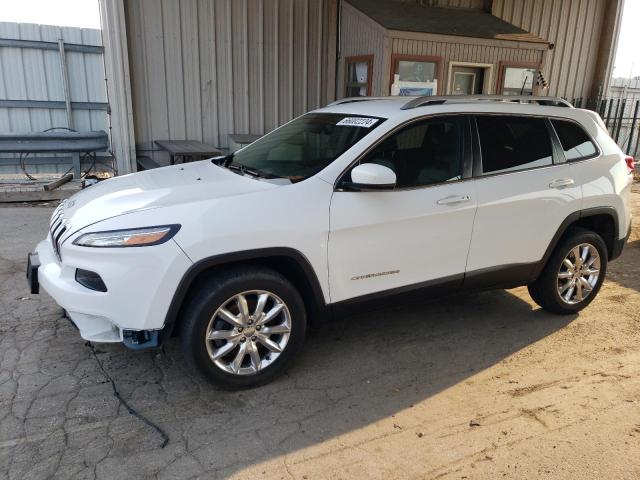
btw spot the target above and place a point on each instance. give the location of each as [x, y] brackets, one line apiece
[303, 147]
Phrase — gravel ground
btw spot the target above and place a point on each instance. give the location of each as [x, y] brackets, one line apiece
[487, 387]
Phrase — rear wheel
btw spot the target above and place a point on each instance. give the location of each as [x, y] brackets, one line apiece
[243, 327]
[573, 275]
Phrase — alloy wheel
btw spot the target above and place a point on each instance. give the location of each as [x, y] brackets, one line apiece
[579, 273]
[248, 332]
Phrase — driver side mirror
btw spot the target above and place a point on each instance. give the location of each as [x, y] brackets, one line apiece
[371, 176]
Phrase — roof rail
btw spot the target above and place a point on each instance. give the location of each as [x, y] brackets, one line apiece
[361, 99]
[439, 100]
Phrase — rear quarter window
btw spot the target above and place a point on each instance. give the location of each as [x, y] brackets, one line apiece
[574, 140]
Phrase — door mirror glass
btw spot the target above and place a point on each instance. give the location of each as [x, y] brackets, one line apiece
[373, 176]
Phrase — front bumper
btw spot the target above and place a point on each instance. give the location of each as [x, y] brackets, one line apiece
[140, 284]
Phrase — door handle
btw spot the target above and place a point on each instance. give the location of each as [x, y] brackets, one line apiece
[454, 199]
[561, 182]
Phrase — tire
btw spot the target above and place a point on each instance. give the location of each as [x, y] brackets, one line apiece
[557, 276]
[214, 311]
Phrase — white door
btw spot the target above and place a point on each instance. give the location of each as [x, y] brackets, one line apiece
[413, 235]
[523, 197]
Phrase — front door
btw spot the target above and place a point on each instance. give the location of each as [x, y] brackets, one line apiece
[414, 235]
[466, 80]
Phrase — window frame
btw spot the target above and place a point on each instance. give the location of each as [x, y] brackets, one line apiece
[503, 69]
[357, 59]
[465, 140]
[557, 154]
[396, 58]
[597, 153]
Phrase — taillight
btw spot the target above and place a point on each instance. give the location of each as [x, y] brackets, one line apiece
[631, 164]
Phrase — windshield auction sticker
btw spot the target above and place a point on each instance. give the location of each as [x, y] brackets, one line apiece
[363, 122]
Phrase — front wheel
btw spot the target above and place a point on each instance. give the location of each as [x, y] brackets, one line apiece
[243, 327]
[573, 275]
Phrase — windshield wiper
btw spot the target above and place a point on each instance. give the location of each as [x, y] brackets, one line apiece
[226, 161]
[222, 160]
[243, 169]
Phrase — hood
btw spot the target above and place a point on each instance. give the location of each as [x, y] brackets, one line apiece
[179, 184]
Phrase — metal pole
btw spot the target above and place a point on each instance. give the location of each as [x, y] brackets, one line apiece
[609, 112]
[615, 118]
[633, 126]
[65, 82]
[619, 125]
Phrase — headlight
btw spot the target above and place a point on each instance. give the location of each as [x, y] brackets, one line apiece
[135, 237]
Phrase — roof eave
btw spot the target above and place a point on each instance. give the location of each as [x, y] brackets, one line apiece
[504, 40]
[516, 40]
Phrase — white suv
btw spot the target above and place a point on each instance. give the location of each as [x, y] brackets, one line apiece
[362, 200]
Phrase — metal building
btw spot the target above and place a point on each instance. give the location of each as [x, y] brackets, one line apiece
[50, 77]
[462, 51]
[204, 69]
[571, 42]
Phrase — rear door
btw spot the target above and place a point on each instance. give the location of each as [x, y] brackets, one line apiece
[524, 191]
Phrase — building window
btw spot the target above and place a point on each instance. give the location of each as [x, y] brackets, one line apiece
[518, 79]
[358, 80]
[416, 75]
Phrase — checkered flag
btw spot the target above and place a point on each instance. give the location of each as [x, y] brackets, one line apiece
[540, 81]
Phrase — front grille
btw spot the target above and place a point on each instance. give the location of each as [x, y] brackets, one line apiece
[57, 227]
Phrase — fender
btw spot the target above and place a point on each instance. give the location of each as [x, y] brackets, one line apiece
[233, 257]
[515, 275]
[564, 226]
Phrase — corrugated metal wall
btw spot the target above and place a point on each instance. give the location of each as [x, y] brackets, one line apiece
[573, 26]
[362, 36]
[202, 69]
[35, 74]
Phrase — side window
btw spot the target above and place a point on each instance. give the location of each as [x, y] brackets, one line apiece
[510, 143]
[424, 153]
[575, 142]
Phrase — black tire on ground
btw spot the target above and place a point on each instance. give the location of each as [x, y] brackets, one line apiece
[212, 294]
[544, 290]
